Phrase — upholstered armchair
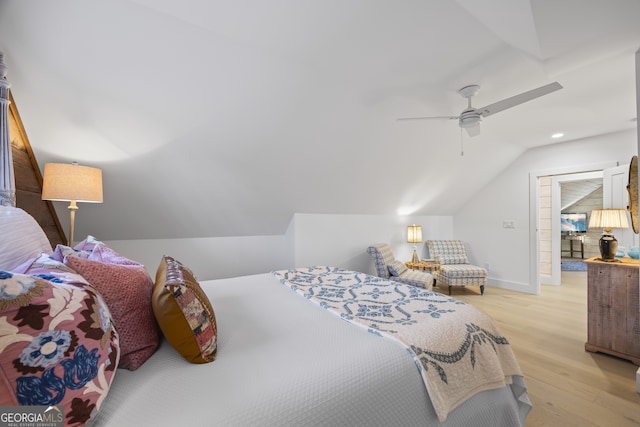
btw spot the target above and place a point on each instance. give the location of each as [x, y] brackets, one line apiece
[454, 267]
[388, 267]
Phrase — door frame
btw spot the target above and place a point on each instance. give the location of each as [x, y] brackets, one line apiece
[556, 241]
[534, 235]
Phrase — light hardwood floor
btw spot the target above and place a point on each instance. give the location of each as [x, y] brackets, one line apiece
[567, 385]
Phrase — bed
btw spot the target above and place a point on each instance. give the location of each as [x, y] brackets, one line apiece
[285, 355]
[91, 334]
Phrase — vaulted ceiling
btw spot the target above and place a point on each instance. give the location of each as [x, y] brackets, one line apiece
[224, 118]
[572, 192]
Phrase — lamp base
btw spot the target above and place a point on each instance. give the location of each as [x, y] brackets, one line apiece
[608, 247]
[415, 258]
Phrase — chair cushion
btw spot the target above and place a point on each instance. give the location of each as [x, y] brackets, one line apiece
[448, 251]
[421, 279]
[396, 268]
[453, 259]
[462, 270]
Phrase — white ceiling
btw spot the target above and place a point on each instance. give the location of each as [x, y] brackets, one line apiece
[224, 118]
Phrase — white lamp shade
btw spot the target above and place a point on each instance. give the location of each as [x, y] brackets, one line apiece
[414, 234]
[608, 218]
[72, 182]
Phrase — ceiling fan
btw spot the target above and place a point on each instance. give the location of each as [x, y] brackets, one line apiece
[471, 117]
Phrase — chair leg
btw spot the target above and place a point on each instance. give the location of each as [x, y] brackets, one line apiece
[449, 290]
[481, 289]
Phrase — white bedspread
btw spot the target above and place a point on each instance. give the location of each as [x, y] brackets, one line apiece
[283, 361]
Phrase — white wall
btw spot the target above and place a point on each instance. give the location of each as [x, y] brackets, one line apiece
[342, 240]
[506, 251]
[215, 257]
[310, 239]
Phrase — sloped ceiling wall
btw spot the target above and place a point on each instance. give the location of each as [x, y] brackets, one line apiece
[221, 118]
[572, 192]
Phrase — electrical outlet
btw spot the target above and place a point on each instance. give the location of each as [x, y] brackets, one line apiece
[508, 223]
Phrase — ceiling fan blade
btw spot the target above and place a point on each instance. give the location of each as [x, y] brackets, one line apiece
[496, 107]
[430, 118]
[473, 130]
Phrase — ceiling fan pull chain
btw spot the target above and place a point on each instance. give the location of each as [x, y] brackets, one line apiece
[461, 144]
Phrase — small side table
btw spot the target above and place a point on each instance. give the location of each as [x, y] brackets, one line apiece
[425, 264]
[572, 238]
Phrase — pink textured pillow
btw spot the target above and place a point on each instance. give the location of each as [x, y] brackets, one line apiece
[58, 346]
[127, 291]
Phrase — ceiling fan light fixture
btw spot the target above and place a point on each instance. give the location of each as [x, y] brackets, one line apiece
[469, 118]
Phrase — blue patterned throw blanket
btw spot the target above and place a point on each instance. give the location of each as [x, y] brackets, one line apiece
[457, 348]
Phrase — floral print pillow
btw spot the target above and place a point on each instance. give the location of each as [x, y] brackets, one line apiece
[58, 346]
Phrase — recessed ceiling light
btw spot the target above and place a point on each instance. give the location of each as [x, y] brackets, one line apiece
[557, 135]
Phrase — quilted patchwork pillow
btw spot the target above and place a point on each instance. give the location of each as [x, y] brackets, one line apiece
[184, 312]
[396, 268]
[58, 346]
[127, 291]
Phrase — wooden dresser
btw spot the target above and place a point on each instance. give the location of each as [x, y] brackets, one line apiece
[613, 308]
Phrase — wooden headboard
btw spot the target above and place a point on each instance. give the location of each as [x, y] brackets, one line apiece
[29, 180]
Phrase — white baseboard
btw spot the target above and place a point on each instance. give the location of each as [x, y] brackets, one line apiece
[513, 286]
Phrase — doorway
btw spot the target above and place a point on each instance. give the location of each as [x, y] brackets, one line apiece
[544, 226]
[578, 198]
[577, 189]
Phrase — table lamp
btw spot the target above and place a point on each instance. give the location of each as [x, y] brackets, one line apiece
[414, 235]
[608, 219]
[72, 183]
